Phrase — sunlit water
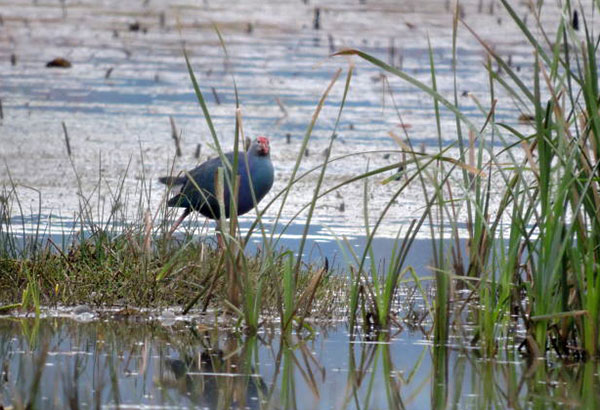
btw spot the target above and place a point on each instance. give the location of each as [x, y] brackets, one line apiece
[128, 77]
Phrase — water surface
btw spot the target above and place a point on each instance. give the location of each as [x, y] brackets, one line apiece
[128, 77]
[170, 362]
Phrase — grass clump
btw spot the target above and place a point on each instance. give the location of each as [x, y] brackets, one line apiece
[541, 272]
[106, 271]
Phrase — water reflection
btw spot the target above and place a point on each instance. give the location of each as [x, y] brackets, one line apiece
[367, 363]
[212, 376]
[63, 363]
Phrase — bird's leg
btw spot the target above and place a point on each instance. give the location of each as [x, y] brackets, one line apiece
[185, 213]
[220, 243]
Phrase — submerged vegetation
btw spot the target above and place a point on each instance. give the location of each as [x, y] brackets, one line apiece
[529, 275]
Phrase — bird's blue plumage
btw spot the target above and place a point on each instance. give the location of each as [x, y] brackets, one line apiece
[254, 168]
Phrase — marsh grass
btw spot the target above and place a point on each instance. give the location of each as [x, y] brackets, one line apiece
[541, 272]
[107, 265]
[132, 262]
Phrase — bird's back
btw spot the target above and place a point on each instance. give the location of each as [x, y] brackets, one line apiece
[199, 193]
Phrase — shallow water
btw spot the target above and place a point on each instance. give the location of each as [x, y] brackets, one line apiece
[118, 121]
[169, 363]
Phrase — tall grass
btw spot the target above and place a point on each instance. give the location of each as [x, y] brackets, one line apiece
[541, 272]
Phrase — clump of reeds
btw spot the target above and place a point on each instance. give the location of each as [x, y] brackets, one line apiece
[541, 272]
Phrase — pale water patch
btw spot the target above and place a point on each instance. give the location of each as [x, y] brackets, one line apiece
[128, 77]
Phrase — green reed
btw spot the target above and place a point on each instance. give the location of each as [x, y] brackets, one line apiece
[543, 267]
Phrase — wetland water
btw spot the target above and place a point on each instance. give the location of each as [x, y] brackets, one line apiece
[128, 78]
[171, 363]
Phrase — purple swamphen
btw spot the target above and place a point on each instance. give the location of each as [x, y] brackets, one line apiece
[254, 167]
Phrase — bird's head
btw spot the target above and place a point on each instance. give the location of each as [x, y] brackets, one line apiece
[262, 146]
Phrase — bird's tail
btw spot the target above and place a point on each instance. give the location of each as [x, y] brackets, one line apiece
[172, 180]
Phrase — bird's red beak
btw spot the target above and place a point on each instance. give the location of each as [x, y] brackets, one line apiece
[263, 142]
